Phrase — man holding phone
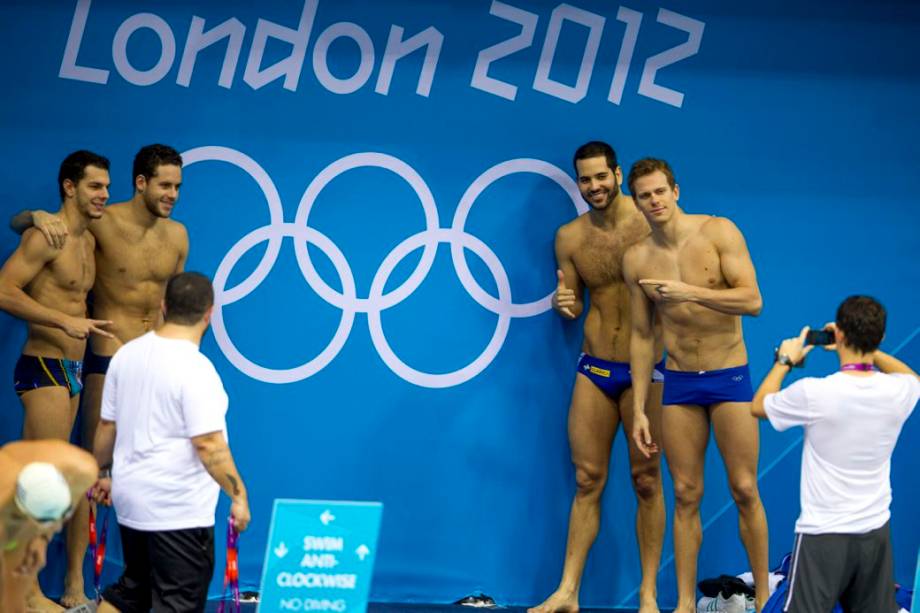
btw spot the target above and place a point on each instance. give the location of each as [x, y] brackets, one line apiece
[852, 420]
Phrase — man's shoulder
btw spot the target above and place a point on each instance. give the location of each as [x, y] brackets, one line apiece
[639, 249]
[112, 217]
[715, 227]
[175, 229]
[572, 230]
[32, 243]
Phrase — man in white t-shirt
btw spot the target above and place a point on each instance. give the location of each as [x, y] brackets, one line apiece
[852, 420]
[164, 435]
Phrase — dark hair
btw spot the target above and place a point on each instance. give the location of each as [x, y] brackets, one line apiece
[647, 166]
[189, 295]
[151, 156]
[74, 167]
[595, 149]
[862, 321]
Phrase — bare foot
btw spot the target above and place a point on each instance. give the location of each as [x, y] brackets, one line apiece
[74, 596]
[649, 607]
[558, 602]
[36, 602]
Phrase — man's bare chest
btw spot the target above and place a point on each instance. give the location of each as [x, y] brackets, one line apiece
[134, 257]
[599, 258]
[696, 263]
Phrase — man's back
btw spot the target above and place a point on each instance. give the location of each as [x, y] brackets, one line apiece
[852, 424]
[161, 392]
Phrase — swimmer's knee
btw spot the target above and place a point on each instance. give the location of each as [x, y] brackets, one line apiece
[646, 482]
[744, 491]
[590, 479]
[687, 494]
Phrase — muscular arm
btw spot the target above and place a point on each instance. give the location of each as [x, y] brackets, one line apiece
[642, 334]
[19, 270]
[743, 294]
[570, 287]
[182, 239]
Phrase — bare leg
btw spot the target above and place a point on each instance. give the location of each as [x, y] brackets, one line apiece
[646, 480]
[737, 434]
[49, 413]
[685, 435]
[77, 536]
[593, 420]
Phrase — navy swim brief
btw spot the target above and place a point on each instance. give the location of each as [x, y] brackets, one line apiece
[33, 372]
[708, 387]
[613, 378]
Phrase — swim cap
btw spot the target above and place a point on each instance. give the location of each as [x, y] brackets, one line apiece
[42, 492]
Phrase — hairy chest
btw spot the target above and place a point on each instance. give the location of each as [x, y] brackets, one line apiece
[599, 258]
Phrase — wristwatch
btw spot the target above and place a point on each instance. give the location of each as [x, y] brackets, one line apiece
[785, 360]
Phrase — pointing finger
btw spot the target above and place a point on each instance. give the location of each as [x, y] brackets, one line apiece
[803, 334]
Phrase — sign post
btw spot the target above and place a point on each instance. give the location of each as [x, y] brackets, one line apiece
[320, 556]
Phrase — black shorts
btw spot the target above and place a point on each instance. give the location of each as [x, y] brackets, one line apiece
[854, 569]
[164, 571]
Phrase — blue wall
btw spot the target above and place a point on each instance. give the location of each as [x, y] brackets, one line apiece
[796, 121]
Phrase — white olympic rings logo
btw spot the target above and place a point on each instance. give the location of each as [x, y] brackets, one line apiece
[377, 301]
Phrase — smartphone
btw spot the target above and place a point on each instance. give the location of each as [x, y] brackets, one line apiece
[819, 337]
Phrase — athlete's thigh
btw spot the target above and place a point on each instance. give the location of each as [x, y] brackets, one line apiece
[653, 412]
[593, 421]
[91, 408]
[49, 413]
[737, 434]
[685, 434]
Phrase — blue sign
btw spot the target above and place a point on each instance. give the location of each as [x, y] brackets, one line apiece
[320, 556]
[916, 599]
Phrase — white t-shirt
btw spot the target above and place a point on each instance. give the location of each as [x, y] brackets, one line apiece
[160, 392]
[851, 426]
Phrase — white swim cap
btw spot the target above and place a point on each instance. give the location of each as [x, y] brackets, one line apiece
[42, 492]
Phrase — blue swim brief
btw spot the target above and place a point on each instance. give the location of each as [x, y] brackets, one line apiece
[33, 372]
[708, 387]
[613, 378]
[95, 364]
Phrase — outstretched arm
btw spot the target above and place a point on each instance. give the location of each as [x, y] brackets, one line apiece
[741, 297]
[641, 354]
[50, 225]
[891, 365]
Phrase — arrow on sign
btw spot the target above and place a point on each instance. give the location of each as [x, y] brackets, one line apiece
[326, 517]
[362, 552]
[281, 550]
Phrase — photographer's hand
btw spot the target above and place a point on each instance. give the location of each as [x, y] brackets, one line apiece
[795, 348]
